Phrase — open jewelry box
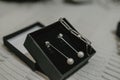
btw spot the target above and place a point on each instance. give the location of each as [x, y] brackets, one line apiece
[57, 50]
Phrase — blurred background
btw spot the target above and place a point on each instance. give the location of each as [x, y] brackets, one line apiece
[14, 13]
[95, 19]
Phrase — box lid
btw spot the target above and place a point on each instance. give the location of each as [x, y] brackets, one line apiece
[14, 42]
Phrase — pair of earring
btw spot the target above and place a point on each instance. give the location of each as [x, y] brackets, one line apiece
[69, 61]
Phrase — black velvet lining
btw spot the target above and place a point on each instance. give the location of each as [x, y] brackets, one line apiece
[50, 34]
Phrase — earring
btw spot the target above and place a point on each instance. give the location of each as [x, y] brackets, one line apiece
[80, 54]
[77, 34]
[70, 61]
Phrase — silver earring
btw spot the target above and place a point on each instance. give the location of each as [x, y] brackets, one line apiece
[70, 61]
[80, 54]
[75, 33]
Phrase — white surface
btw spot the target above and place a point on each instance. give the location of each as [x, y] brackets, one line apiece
[96, 21]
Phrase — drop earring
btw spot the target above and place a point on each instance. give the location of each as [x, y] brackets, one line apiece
[80, 54]
[70, 61]
[77, 34]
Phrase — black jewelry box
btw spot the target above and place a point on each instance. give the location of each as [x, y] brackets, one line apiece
[51, 61]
